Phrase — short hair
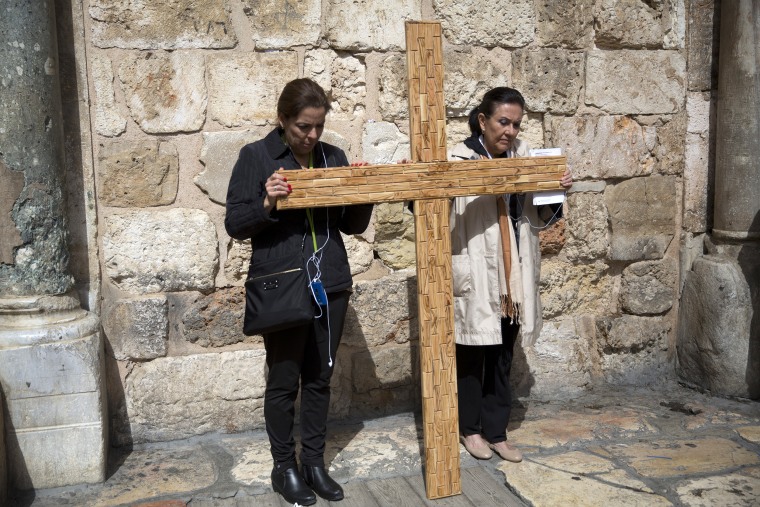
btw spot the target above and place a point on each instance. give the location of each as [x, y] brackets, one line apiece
[299, 94]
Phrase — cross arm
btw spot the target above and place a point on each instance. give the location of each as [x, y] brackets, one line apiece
[341, 186]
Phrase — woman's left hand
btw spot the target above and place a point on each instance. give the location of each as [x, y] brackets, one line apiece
[567, 179]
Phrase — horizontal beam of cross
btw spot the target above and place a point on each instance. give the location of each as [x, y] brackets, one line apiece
[430, 180]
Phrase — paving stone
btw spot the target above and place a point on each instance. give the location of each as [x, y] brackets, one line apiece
[577, 479]
[669, 458]
[750, 434]
[740, 489]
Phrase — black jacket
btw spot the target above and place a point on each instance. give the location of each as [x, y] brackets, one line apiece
[286, 232]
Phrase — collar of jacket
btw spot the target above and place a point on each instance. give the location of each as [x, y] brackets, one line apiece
[276, 148]
[473, 143]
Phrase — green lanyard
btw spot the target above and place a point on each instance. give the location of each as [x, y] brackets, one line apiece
[308, 210]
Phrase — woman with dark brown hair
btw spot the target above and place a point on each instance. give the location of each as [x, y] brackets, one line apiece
[304, 354]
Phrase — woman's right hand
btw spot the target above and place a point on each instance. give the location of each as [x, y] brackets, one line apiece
[276, 186]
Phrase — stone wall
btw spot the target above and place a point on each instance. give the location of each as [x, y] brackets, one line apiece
[177, 87]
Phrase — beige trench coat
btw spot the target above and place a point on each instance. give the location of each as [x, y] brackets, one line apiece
[478, 267]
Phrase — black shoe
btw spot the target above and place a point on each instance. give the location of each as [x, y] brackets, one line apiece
[321, 483]
[292, 487]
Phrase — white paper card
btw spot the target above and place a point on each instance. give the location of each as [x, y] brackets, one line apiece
[546, 152]
[551, 197]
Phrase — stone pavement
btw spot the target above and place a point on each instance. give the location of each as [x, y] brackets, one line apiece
[611, 446]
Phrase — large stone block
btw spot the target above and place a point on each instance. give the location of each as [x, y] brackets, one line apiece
[577, 288]
[3, 462]
[170, 24]
[137, 328]
[628, 24]
[697, 163]
[360, 253]
[636, 82]
[160, 251]
[108, 121]
[649, 287]
[549, 79]
[642, 217]
[635, 349]
[165, 93]
[702, 45]
[587, 233]
[566, 24]
[383, 311]
[278, 25]
[715, 344]
[600, 147]
[54, 395]
[394, 235]
[215, 320]
[466, 22]
[383, 143]
[137, 174]
[362, 26]
[238, 260]
[469, 73]
[178, 397]
[384, 380]
[243, 88]
[219, 153]
[343, 77]
[666, 141]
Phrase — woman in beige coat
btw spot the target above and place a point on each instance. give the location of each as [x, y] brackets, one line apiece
[496, 262]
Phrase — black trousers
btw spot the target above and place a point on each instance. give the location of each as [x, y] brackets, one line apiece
[301, 355]
[485, 398]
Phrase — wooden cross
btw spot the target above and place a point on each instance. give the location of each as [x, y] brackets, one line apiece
[429, 183]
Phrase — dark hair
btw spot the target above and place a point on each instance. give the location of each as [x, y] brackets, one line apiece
[300, 94]
[491, 100]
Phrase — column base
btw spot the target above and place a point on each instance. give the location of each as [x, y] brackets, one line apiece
[52, 374]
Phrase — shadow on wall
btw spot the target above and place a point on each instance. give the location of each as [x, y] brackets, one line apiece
[749, 262]
[13, 465]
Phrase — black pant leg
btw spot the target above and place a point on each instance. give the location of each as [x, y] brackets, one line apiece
[497, 393]
[469, 387]
[315, 378]
[285, 355]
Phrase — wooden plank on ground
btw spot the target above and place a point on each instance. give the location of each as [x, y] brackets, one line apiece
[357, 495]
[394, 492]
[418, 485]
[483, 490]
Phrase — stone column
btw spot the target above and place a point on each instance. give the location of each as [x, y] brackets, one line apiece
[51, 353]
[718, 342]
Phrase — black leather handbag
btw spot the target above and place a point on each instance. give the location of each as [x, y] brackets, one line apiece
[277, 296]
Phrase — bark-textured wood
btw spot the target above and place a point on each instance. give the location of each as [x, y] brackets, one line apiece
[408, 182]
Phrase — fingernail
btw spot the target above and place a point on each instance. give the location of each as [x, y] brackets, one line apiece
[286, 179]
[290, 189]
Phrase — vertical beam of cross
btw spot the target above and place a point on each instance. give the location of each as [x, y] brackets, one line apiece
[427, 129]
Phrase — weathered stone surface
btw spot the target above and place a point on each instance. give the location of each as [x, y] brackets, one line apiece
[382, 378]
[738, 489]
[642, 217]
[343, 79]
[565, 24]
[552, 239]
[383, 143]
[628, 24]
[560, 363]
[531, 130]
[160, 251]
[360, 253]
[394, 235]
[587, 186]
[576, 288]
[469, 73]
[685, 457]
[601, 146]
[649, 287]
[511, 26]
[701, 46]
[166, 93]
[11, 184]
[215, 320]
[587, 234]
[277, 25]
[243, 89]
[137, 328]
[108, 121]
[636, 82]
[668, 146]
[715, 315]
[238, 259]
[171, 24]
[750, 434]
[392, 97]
[697, 163]
[383, 311]
[176, 397]
[3, 462]
[361, 26]
[634, 349]
[137, 174]
[549, 79]
[576, 477]
[219, 154]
